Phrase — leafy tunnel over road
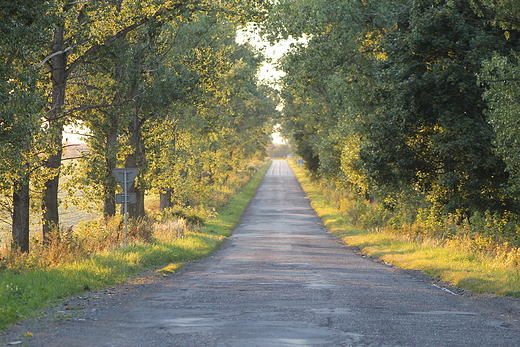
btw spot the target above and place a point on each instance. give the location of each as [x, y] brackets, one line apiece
[282, 280]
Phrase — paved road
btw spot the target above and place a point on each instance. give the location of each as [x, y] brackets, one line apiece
[282, 280]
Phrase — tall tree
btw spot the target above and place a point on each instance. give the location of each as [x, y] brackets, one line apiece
[154, 72]
[328, 76]
[68, 37]
[501, 76]
[383, 95]
[81, 30]
[21, 101]
[431, 132]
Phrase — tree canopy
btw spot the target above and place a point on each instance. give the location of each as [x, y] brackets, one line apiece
[158, 85]
[397, 100]
[405, 98]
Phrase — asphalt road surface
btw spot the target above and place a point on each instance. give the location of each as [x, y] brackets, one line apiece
[280, 280]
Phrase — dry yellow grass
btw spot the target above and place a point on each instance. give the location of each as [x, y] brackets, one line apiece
[456, 261]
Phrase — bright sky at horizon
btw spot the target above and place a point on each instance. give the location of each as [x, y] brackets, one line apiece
[268, 71]
[278, 139]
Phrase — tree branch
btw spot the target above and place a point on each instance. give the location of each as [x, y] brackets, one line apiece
[503, 80]
[89, 107]
[122, 33]
[80, 2]
[490, 14]
[485, 11]
[71, 158]
[55, 54]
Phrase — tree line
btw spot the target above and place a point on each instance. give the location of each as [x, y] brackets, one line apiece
[158, 85]
[413, 104]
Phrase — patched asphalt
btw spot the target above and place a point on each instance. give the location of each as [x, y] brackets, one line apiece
[280, 280]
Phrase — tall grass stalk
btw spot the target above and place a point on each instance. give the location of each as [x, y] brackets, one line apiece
[474, 263]
[31, 282]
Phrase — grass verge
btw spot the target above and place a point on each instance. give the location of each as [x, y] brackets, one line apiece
[450, 262]
[24, 293]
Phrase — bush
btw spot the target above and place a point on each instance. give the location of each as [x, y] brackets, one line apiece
[192, 216]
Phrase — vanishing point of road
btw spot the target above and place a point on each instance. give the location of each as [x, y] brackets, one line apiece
[282, 280]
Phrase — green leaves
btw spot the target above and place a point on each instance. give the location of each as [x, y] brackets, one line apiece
[441, 140]
[157, 84]
[384, 97]
[505, 13]
[501, 75]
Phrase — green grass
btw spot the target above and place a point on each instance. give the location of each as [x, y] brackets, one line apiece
[230, 214]
[24, 294]
[450, 262]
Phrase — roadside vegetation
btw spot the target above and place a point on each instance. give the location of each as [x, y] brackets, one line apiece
[459, 254]
[406, 115]
[161, 86]
[164, 87]
[91, 257]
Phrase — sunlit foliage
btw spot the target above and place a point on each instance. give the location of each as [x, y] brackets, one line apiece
[158, 85]
[407, 103]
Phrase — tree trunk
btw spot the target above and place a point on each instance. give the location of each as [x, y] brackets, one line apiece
[20, 228]
[136, 159]
[109, 206]
[58, 73]
[165, 198]
[109, 203]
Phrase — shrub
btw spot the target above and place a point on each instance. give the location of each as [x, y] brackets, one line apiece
[192, 216]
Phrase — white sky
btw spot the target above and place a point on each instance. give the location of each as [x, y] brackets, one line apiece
[70, 134]
[268, 71]
[278, 139]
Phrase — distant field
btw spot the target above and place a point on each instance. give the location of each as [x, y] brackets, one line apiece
[70, 216]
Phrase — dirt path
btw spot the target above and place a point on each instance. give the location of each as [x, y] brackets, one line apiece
[280, 280]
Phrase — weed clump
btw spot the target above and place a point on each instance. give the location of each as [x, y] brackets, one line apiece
[87, 238]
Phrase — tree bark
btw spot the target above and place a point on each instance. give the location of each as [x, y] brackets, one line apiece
[165, 198]
[136, 159]
[109, 206]
[165, 194]
[20, 228]
[58, 72]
